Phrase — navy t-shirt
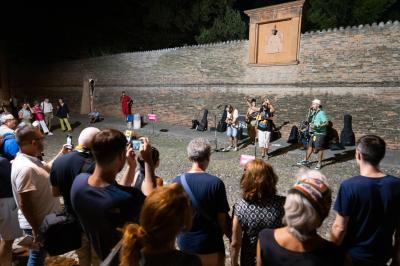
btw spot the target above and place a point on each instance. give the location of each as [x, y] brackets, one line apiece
[205, 237]
[66, 168]
[373, 208]
[5, 178]
[101, 210]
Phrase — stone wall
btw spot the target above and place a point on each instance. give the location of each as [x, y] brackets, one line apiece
[354, 70]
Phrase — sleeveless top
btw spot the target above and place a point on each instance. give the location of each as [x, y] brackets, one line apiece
[253, 217]
[272, 254]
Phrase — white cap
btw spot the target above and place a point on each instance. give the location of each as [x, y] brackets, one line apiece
[316, 101]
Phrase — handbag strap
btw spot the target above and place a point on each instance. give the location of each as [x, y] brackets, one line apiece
[110, 260]
[194, 201]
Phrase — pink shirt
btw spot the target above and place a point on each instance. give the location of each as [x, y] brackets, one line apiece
[38, 113]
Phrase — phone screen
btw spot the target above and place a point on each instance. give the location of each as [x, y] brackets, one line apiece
[69, 140]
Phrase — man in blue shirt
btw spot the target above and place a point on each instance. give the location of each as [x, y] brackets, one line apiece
[100, 203]
[208, 197]
[368, 209]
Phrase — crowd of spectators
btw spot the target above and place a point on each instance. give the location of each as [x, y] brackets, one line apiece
[140, 220]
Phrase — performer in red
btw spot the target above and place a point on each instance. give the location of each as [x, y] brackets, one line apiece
[126, 103]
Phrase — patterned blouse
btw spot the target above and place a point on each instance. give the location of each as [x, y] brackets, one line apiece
[253, 217]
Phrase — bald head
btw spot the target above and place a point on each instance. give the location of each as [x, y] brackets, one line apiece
[87, 135]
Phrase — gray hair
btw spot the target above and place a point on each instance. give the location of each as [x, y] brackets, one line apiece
[5, 117]
[301, 217]
[199, 150]
[87, 135]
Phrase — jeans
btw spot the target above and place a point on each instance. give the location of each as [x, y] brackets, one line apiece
[36, 257]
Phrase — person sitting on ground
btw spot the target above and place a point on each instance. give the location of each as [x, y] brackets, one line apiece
[367, 224]
[232, 115]
[165, 213]
[39, 116]
[94, 117]
[24, 114]
[208, 198]
[100, 203]
[140, 173]
[298, 243]
[62, 175]
[259, 208]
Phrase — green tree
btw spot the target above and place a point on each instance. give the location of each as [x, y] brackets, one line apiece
[322, 14]
[230, 26]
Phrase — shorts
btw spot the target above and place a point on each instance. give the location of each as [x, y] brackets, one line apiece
[231, 131]
[9, 226]
[263, 138]
[318, 141]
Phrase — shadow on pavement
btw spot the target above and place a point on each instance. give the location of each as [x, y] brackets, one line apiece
[340, 157]
[285, 150]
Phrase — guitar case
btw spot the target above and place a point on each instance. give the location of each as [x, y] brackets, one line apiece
[203, 125]
[347, 137]
[221, 127]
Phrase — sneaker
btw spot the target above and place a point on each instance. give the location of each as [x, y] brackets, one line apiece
[236, 148]
[303, 162]
[50, 134]
[227, 148]
[319, 166]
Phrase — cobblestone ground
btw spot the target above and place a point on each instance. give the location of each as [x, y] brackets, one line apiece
[172, 146]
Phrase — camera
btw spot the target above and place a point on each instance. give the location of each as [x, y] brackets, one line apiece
[135, 143]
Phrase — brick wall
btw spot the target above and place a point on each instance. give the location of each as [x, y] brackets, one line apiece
[354, 70]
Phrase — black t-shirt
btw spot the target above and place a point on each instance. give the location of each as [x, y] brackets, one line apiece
[171, 258]
[275, 255]
[103, 210]
[5, 179]
[66, 168]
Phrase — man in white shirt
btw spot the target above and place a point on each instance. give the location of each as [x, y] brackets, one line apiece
[47, 108]
[31, 187]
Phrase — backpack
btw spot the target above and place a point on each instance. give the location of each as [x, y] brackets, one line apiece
[8, 146]
[294, 135]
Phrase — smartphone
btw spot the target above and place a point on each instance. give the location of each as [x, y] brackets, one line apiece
[69, 140]
[136, 144]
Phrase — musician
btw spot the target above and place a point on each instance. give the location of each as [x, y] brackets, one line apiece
[265, 126]
[318, 123]
[251, 116]
[232, 115]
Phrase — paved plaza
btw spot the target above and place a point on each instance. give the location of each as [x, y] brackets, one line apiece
[338, 165]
